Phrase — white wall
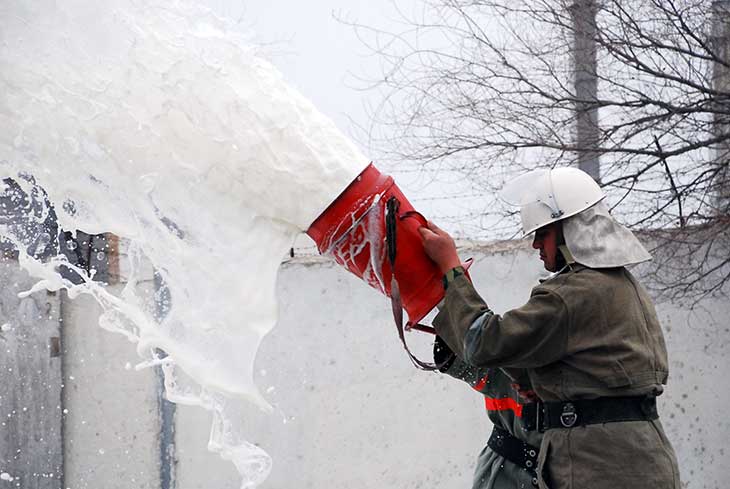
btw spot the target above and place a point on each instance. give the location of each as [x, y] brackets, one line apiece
[111, 429]
[350, 410]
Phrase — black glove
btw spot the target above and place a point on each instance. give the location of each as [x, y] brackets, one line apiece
[442, 354]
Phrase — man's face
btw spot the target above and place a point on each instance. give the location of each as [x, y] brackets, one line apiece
[546, 240]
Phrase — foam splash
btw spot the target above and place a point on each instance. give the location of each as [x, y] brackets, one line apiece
[157, 121]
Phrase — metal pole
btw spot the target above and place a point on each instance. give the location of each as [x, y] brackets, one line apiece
[166, 408]
[583, 13]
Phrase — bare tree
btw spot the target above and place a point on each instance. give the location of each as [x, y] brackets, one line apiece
[490, 88]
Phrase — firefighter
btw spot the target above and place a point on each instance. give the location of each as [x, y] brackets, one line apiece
[588, 338]
[509, 460]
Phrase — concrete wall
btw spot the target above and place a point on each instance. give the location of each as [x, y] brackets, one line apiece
[350, 409]
[352, 412]
[112, 422]
[31, 410]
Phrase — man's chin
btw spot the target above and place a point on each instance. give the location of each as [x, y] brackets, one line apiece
[547, 266]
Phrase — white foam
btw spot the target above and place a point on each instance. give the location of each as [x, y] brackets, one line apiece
[158, 122]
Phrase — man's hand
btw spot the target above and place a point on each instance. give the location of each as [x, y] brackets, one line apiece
[440, 247]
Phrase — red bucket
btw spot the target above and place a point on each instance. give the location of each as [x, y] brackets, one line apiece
[352, 231]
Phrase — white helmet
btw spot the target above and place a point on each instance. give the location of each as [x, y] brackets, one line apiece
[546, 196]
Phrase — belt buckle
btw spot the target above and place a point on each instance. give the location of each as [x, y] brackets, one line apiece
[569, 416]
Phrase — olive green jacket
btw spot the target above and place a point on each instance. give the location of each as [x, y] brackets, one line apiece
[586, 333]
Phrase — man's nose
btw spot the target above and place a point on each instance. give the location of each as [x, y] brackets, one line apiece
[536, 244]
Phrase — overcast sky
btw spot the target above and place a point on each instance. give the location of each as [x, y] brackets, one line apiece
[319, 53]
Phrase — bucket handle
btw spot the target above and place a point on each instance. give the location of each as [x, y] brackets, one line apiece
[391, 214]
[417, 216]
[414, 214]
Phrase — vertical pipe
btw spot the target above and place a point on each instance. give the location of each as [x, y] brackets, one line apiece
[583, 14]
[62, 299]
[166, 408]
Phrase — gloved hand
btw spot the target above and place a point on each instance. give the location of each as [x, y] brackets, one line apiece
[455, 367]
[442, 353]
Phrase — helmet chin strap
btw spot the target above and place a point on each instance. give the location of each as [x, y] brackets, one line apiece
[566, 261]
[567, 255]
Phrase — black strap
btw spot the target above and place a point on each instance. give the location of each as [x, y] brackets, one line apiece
[513, 449]
[529, 415]
[391, 219]
[568, 414]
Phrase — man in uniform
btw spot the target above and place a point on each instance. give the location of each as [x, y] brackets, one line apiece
[509, 460]
[588, 338]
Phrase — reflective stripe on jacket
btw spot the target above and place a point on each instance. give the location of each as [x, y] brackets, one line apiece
[504, 408]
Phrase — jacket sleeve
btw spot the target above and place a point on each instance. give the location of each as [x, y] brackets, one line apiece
[530, 336]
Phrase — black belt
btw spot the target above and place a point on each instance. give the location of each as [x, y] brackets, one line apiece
[543, 416]
[513, 449]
